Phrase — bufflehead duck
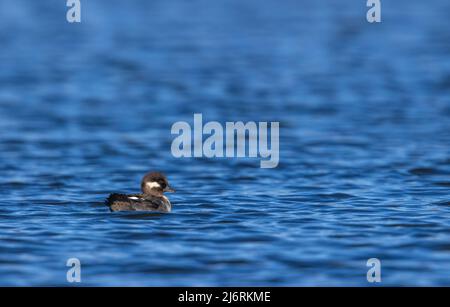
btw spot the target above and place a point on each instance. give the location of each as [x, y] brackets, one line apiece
[152, 198]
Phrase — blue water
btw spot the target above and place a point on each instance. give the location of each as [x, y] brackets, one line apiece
[364, 110]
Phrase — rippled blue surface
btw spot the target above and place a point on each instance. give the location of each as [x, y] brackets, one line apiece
[364, 171]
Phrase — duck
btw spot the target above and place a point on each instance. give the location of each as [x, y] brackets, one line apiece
[153, 185]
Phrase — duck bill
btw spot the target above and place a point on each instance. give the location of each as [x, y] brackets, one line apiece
[169, 189]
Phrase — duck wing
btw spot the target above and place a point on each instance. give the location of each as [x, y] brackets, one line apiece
[135, 202]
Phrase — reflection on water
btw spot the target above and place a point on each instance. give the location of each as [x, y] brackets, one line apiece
[364, 169]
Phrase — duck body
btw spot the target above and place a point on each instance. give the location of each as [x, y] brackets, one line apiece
[153, 186]
[138, 202]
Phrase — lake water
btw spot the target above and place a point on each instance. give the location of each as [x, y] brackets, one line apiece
[364, 110]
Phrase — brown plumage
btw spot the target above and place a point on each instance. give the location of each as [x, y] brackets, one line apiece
[153, 185]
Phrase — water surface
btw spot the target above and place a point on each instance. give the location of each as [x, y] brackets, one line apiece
[364, 170]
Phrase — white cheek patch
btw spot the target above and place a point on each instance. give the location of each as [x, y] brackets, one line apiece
[133, 198]
[153, 184]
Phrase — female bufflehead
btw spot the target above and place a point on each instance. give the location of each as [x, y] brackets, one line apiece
[152, 198]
